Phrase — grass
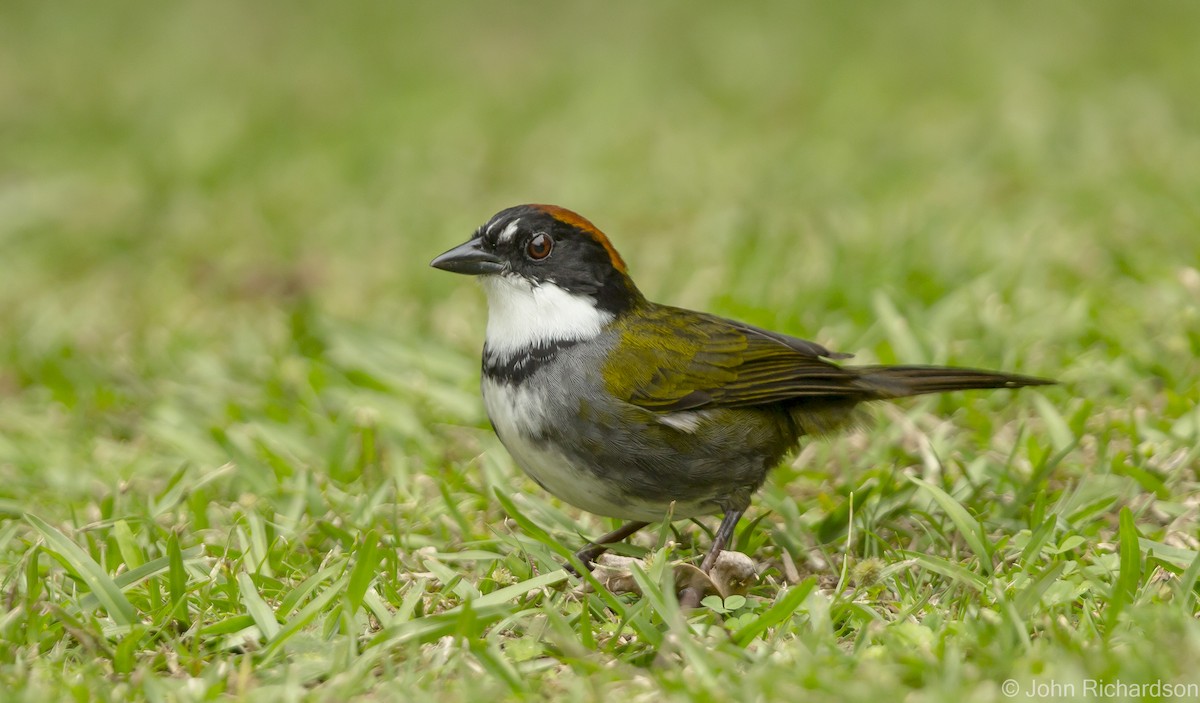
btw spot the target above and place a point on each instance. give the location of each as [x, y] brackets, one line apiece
[242, 453]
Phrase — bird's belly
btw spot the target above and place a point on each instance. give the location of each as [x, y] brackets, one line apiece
[580, 487]
[521, 420]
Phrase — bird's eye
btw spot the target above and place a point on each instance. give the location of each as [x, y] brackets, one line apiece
[539, 247]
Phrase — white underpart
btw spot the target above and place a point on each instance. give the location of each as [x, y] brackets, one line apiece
[517, 415]
[509, 231]
[684, 421]
[523, 315]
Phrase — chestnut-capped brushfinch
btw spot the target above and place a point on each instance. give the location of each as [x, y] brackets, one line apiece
[624, 407]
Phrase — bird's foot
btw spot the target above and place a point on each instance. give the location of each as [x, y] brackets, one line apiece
[730, 573]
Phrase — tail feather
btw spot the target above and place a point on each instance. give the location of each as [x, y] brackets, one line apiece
[903, 381]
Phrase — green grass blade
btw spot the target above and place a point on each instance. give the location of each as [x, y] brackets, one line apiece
[127, 544]
[967, 526]
[533, 530]
[1178, 556]
[292, 600]
[1130, 576]
[228, 626]
[493, 661]
[949, 569]
[434, 627]
[366, 564]
[305, 616]
[82, 565]
[782, 609]
[258, 609]
[259, 546]
[412, 597]
[1032, 594]
[1037, 540]
[503, 595]
[177, 579]
[1185, 590]
[530, 527]
[151, 568]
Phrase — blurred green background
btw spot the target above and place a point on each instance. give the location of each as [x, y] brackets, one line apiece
[216, 220]
[177, 180]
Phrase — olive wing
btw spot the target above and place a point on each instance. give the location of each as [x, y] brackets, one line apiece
[671, 359]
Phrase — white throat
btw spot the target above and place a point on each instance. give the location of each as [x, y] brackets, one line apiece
[523, 315]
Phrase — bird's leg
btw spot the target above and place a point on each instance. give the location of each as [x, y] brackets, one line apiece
[690, 597]
[594, 549]
[724, 534]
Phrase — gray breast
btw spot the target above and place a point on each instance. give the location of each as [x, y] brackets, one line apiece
[552, 413]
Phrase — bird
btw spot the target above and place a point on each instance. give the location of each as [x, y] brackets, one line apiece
[636, 410]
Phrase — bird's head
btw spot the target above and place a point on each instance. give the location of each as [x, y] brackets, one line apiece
[549, 274]
[541, 246]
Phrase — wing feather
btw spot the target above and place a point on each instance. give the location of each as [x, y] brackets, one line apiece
[671, 359]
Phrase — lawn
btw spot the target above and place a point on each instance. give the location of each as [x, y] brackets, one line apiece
[242, 450]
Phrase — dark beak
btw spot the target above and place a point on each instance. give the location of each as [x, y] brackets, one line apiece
[469, 258]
